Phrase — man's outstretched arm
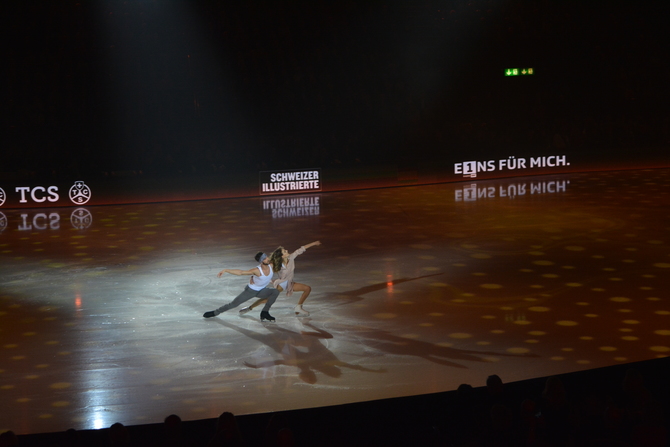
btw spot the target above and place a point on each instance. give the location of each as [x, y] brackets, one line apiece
[238, 272]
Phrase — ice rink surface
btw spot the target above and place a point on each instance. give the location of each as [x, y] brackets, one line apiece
[415, 290]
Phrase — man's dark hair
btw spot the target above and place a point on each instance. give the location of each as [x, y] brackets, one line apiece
[258, 256]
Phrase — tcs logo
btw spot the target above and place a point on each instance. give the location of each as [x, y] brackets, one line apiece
[79, 194]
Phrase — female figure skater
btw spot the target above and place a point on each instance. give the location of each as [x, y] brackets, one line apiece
[284, 264]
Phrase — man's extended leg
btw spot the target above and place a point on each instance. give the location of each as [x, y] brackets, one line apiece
[246, 295]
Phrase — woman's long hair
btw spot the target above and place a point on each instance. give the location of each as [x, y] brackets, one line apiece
[276, 258]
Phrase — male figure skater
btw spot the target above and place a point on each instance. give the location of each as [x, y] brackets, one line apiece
[257, 287]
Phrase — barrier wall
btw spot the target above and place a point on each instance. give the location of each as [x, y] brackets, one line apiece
[124, 188]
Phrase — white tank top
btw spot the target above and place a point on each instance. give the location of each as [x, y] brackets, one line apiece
[260, 282]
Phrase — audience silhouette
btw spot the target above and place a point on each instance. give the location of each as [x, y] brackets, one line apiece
[555, 411]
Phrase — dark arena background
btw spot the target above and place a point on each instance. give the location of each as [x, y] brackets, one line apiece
[489, 181]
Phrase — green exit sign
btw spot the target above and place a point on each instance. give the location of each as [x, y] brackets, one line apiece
[519, 71]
